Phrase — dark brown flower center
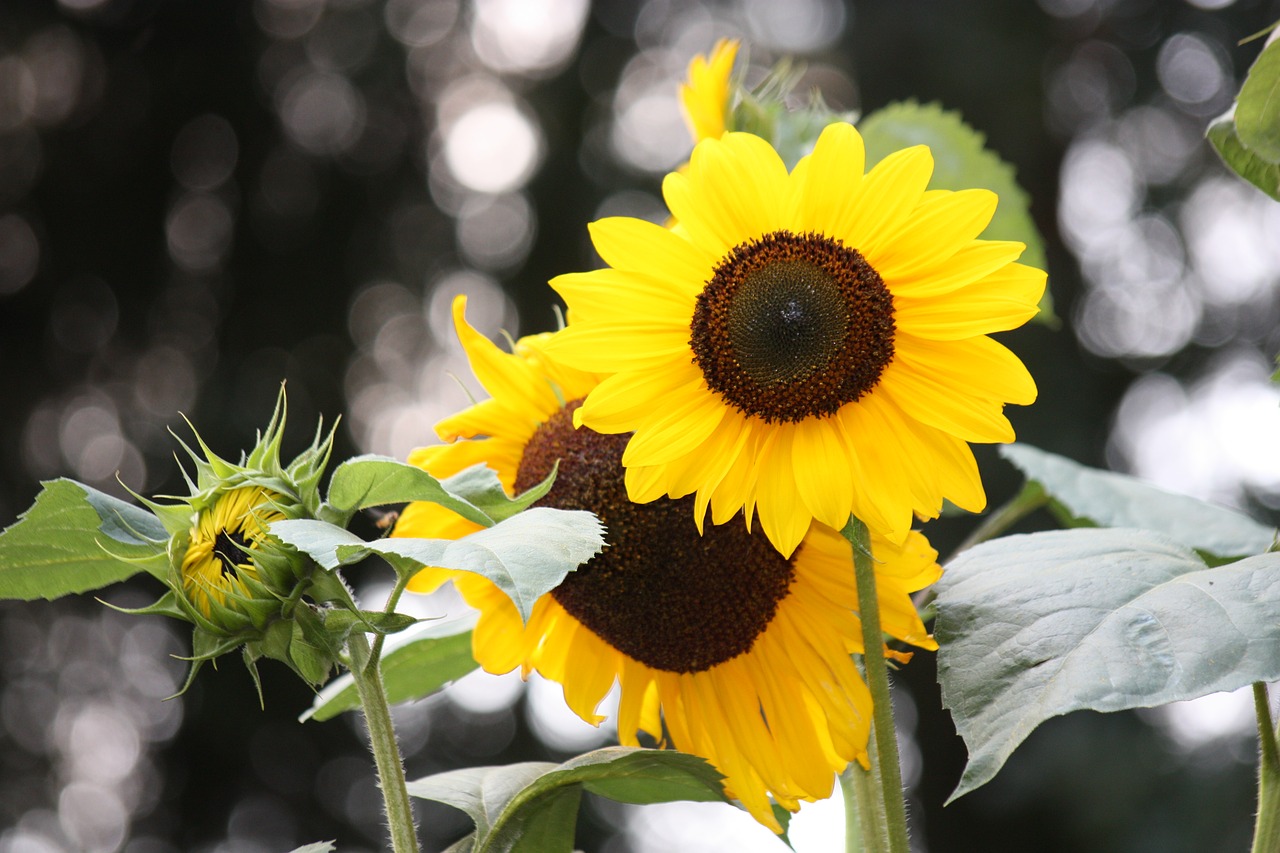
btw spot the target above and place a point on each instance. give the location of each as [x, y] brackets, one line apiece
[792, 326]
[659, 593]
[229, 550]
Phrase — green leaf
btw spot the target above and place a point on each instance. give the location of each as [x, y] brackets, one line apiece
[329, 545]
[961, 161]
[415, 664]
[74, 539]
[526, 556]
[1034, 626]
[1223, 137]
[1108, 499]
[317, 847]
[479, 486]
[1258, 106]
[505, 802]
[368, 481]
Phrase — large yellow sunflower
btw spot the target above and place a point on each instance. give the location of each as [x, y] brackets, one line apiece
[742, 653]
[705, 96]
[804, 345]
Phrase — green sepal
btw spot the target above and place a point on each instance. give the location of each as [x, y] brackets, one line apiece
[165, 605]
[312, 652]
[765, 112]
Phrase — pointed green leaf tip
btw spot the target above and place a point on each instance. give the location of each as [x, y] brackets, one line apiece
[533, 806]
[75, 539]
[1034, 626]
[961, 161]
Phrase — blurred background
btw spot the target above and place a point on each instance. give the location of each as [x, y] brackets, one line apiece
[198, 200]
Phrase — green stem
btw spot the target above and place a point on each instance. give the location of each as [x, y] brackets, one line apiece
[864, 829]
[382, 741]
[1266, 832]
[1027, 501]
[884, 749]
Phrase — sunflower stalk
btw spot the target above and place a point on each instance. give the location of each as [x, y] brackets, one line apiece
[884, 746]
[366, 671]
[1266, 831]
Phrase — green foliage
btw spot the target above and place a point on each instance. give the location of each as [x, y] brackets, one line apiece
[1034, 626]
[369, 481]
[479, 486]
[414, 664]
[526, 556]
[532, 807]
[1258, 106]
[961, 161]
[1086, 496]
[317, 847]
[75, 539]
[1247, 136]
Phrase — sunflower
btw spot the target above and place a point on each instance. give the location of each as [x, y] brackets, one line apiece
[742, 653]
[803, 345]
[218, 556]
[705, 96]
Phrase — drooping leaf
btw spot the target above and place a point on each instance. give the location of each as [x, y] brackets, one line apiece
[526, 556]
[961, 161]
[415, 663]
[369, 481]
[1034, 626]
[506, 802]
[1258, 105]
[479, 486]
[1108, 499]
[74, 539]
[328, 544]
[1240, 159]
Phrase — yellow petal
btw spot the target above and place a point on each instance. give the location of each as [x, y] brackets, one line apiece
[636, 244]
[889, 193]
[823, 470]
[938, 228]
[503, 375]
[736, 189]
[828, 182]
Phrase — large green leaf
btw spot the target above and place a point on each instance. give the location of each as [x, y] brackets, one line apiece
[1108, 499]
[75, 539]
[526, 556]
[369, 481]
[1258, 106]
[415, 664]
[1240, 158]
[1034, 626]
[533, 806]
[961, 161]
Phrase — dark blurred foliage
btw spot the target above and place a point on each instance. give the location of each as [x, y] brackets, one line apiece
[199, 200]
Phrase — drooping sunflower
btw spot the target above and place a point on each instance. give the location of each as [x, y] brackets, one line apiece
[218, 557]
[719, 643]
[803, 345]
[705, 96]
